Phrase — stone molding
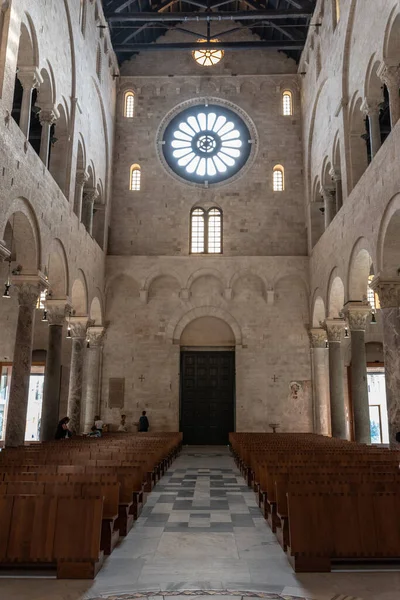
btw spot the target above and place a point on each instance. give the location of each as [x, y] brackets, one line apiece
[29, 77]
[78, 326]
[29, 288]
[48, 116]
[387, 290]
[371, 106]
[357, 314]
[95, 336]
[90, 195]
[4, 251]
[389, 75]
[334, 329]
[57, 311]
[336, 174]
[317, 337]
[81, 177]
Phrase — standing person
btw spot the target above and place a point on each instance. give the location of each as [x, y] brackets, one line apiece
[98, 423]
[143, 422]
[62, 430]
[122, 425]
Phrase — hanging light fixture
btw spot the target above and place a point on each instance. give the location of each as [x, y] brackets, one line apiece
[373, 318]
[69, 326]
[87, 343]
[346, 332]
[326, 344]
[7, 285]
[44, 318]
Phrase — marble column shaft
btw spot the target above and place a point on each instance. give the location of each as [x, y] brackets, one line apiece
[371, 109]
[334, 328]
[89, 197]
[51, 388]
[388, 292]
[329, 205]
[95, 337]
[78, 335]
[81, 178]
[319, 358]
[28, 294]
[390, 76]
[47, 119]
[357, 317]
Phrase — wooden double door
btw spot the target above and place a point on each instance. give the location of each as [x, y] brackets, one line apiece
[207, 396]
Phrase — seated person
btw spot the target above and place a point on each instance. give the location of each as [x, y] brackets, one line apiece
[98, 423]
[94, 432]
[62, 431]
[122, 425]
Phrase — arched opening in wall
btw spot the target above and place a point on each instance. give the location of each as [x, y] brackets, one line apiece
[21, 236]
[336, 298]
[390, 66]
[317, 210]
[359, 144]
[57, 271]
[207, 402]
[79, 295]
[58, 153]
[27, 79]
[80, 179]
[99, 213]
[378, 414]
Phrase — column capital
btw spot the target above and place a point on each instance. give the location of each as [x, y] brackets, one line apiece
[29, 77]
[388, 291]
[79, 326]
[327, 193]
[317, 337]
[48, 116]
[29, 287]
[371, 106]
[57, 310]
[95, 336]
[90, 195]
[336, 174]
[389, 75]
[81, 177]
[334, 329]
[357, 314]
[4, 251]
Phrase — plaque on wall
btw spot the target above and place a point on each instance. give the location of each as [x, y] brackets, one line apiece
[116, 392]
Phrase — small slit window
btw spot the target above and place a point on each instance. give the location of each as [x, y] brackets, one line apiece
[337, 11]
[287, 103]
[278, 179]
[134, 184]
[129, 104]
[82, 15]
[206, 231]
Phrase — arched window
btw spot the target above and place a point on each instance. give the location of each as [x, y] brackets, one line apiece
[134, 181]
[287, 103]
[278, 179]
[129, 104]
[206, 231]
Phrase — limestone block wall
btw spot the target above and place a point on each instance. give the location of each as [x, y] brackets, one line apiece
[263, 299]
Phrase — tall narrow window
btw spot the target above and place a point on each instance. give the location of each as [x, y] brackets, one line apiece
[129, 104]
[135, 178]
[278, 179]
[337, 11]
[206, 231]
[82, 15]
[287, 104]
[98, 62]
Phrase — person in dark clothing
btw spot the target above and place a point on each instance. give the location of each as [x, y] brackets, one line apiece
[62, 430]
[398, 437]
[143, 422]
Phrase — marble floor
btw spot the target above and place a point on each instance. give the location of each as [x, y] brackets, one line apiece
[200, 534]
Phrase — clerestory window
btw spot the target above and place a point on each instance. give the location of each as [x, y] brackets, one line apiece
[287, 104]
[129, 104]
[206, 231]
[278, 179]
[134, 181]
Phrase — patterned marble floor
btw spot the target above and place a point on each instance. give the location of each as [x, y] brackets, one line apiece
[202, 534]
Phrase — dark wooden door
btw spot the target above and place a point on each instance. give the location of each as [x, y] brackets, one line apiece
[207, 397]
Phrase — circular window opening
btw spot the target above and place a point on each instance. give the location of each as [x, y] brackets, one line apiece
[207, 57]
[206, 144]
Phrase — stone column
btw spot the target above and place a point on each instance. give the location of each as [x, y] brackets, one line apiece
[95, 337]
[390, 76]
[47, 118]
[30, 79]
[388, 291]
[357, 314]
[80, 180]
[29, 288]
[89, 197]
[337, 178]
[319, 360]
[329, 204]
[334, 329]
[56, 311]
[78, 334]
[371, 109]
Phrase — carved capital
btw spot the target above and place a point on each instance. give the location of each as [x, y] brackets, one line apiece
[387, 290]
[48, 116]
[334, 329]
[90, 195]
[317, 337]
[78, 326]
[29, 288]
[335, 174]
[389, 75]
[29, 77]
[57, 311]
[81, 178]
[328, 194]
[371, 106]
[95, 336]
[357, 314]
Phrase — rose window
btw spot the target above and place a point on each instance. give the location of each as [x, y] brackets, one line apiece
[206, 144]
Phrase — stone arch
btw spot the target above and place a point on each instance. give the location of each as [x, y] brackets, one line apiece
[28, 49]
[79, 294]
[26, 243]
[207, 331]
[57, 270]
[96, 311]
[358, 147]
[335, 295]
[318, 310]
[243, 273]
[155, 273]
[165, 286]
[206, 273]
[389, 239]
[391, 40]
[47, 91]
[360, 264]
[372, 84]
[176, 327]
